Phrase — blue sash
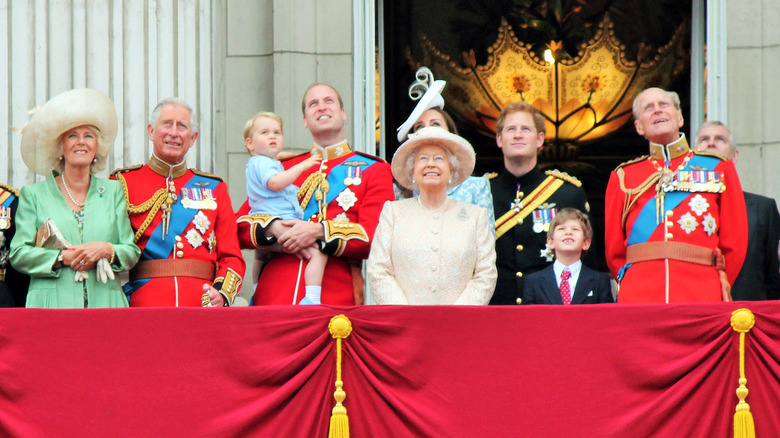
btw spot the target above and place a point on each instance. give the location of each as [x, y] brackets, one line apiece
[159, 247]
[336, 183]
[646, 222]
[7, 202]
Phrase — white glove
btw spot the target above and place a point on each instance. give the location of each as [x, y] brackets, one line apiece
[104, 271]
[80, 276]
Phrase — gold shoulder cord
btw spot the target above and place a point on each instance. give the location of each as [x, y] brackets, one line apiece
[632, 195]
[152, 205]
[315, 185]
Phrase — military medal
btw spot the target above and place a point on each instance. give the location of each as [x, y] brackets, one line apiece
[542, 218]
[201, 222]
[346, 199]
[517, 204]
[357, 180]
[194, 238]
[198, 199]
[348, 179]
[5, 218]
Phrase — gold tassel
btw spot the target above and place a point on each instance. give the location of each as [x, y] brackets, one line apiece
[742, 320]
[340, 327]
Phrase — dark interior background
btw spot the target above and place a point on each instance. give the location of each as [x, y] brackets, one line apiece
[458, 26]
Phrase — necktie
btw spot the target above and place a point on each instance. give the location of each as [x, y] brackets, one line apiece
[565, 288]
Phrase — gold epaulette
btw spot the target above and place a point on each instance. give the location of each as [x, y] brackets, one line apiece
[373, 157]
[490, 175]
[635, 160]
[207, 175]
[9, 189]
[709, 154]
[126, 169]
[564, 176]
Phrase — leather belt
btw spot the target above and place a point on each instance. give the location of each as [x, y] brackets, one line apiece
[670, 250]
[174, 268]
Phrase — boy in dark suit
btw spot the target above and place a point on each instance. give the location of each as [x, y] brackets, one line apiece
[568, 281]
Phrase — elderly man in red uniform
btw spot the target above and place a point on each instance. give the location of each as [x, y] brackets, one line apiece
[183, 221]
[671, 214]
[341, 199]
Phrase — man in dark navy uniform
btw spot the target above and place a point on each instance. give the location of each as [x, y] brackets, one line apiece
[13, 285]
[525, 199]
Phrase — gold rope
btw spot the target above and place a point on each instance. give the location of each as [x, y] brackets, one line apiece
[308, 187]
[152, 205]
[742, 320]
[638, 191]
[339, 327]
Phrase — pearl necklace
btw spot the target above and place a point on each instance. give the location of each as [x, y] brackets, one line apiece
[67, 191]
[438, 209]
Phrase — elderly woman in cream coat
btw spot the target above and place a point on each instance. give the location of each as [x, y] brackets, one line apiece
[432, 249]
[69, 138]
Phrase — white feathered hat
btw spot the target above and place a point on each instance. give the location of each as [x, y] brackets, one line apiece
[78, 107]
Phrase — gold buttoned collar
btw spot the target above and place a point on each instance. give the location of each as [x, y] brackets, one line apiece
[164, 169]
[670, 151]
[333, 151]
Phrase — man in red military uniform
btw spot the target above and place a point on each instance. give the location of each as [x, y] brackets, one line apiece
[670, 214]
[183, 221]
[341, 199]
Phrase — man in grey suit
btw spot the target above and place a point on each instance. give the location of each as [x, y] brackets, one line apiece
[759, 278]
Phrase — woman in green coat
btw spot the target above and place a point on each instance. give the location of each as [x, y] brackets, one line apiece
[69, 138]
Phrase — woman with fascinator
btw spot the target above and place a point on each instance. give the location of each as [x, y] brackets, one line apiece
[73, 231]
[429, 111]
[432, 249]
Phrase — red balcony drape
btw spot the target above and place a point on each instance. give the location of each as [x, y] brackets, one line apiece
[551, 371]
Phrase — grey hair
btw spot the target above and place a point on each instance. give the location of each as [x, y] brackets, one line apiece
[717, 123]
[451, 158]
[173, 101]
[672, 94]
[100, 159]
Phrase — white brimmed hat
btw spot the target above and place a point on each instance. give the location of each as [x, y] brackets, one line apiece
[431, 99]
[83, 106]
[433, 135]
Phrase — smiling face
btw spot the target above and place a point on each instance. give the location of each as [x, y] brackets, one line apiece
[172, 135]
[79, 146]
[265, 138]
[659, 118]
[431, 170]
[323, 115]
[568, 239]
[519, 138]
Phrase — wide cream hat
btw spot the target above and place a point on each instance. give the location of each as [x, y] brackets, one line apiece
[83, 106]
[433, 135]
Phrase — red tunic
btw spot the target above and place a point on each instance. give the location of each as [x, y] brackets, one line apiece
[351, 219]
[210, 236]
[709, 220]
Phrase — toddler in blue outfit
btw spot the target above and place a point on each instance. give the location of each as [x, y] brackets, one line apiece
[271, 191]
